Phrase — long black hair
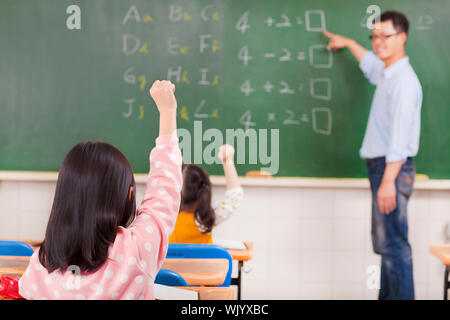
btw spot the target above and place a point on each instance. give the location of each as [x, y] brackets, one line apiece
[92, 200]
[197, 191]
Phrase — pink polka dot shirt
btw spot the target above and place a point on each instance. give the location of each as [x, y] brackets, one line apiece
[138, 251]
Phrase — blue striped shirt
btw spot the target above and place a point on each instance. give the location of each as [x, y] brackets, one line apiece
[393, 128]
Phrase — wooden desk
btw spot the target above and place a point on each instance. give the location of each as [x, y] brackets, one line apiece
[18, 265]
[13, 265]
[241, 256]
[213, 293]
[163, 292]
[208, 272]
[199, 272]
[442, 252]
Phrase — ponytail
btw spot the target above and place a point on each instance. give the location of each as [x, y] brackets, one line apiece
[204, 214]
[197, 190]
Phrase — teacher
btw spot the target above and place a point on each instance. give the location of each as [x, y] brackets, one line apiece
[390, 141]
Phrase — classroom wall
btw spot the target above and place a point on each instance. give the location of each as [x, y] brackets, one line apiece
[310, 243]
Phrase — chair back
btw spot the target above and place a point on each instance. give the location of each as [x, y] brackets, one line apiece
[15, 248]
[170, 278]
[201, 251]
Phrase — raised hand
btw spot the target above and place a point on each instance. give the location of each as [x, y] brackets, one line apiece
[163, 93]
[226, 153]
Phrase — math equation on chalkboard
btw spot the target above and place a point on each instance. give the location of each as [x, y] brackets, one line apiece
[315, 56]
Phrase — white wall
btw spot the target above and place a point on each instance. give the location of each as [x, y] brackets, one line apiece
[310, 243]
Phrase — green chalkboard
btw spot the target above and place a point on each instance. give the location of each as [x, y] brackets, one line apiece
[248, 65]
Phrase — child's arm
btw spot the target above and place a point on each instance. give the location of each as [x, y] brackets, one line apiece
[226, 153]
[163, 94]
[234, 193]
[158, 212]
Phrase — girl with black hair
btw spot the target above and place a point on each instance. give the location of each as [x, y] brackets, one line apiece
[96, 246]
[197, 217]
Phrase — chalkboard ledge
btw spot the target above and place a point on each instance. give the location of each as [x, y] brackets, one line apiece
[284, 182]
[326, 183]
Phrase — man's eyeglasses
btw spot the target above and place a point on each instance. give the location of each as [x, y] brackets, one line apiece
[382, 37]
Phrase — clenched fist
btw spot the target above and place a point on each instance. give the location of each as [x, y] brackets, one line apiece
[226, 153]
[163, 93]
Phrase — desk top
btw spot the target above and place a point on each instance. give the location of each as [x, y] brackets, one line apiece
[13, 265]
[199, 272]
[243, 255]
[213, 293]
[240, 255]
[18, 265]
[209, 272]
[441, 251]
[205, 272]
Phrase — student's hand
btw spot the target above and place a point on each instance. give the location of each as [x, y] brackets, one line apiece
[163, 93]
[386, 197]
[336, 41]
[226, 153]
